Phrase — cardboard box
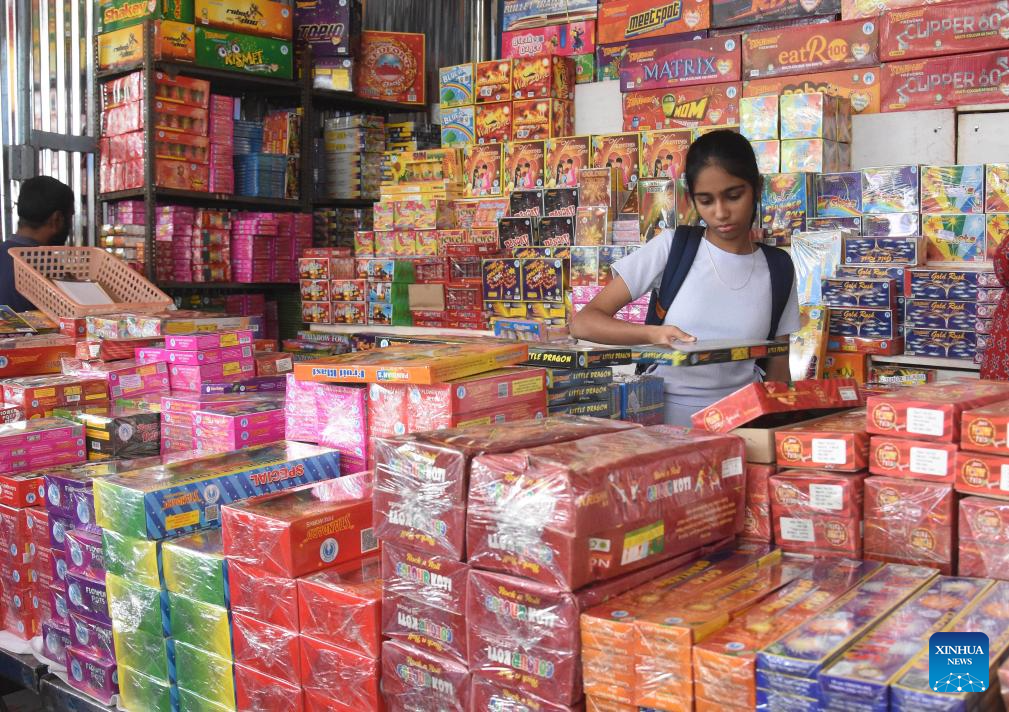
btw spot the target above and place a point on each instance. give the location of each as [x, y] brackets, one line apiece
[682, 108]
[622, 20]
[930, 30]
[804, 49]
[235, 52]
[844, 292]
[983, 531]
[984, 474]
[660, 65]
[566, 40]
[264, 19]
[940, 343]
[953, 189]
[262, 596]
[983, 429]
[735, 13]
[413, 676]
[884, 250]
[331, 30]
[996, 188]
[542, 119]
[786, 200]
[332, 676]
[524, 164]
[374, 80]
[839, 194]
[118, 14]
[944, 284]
[955, 237]
[931, 412]
[943, 82]
[925, 314]
[835, 442]
[343, 606]
[551, 77]
[861, 89]
[302, 531]
[554, 558]
[493, 81]
[910, 520]
[915, 459]
[757, 505]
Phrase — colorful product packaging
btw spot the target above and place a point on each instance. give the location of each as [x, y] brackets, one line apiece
[890, 190]
[622, 20]
[931, 412]
[955, 237]
[929, 30]
[914, 459]
[770, 397]
[374, 80]
[945, 284]
[983, 533]
[978, 473]
[952, 189]
[835, 442]
[660, 65]
[943, 82]
[194, 566]
[884, 250]
[333, 677]
[996, 188]
[248, 54]
[413, 677]
[566, 40]
[939, 343]
[910, 521]
[343, 606]
[804, 49]
[257, 691]
[682, 108]
[786, 201]
[838, 194]
[256, 594]
[92, 675]
[817, 513]
[924, 314]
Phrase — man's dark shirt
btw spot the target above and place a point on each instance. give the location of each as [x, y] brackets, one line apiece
[8, 294]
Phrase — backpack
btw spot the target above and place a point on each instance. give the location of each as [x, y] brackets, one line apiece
[686, 241]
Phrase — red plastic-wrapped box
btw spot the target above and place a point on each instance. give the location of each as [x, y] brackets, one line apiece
[818, 512]
[16, 535]
[753, 401]
[424, 601]
[917, 459]
[421, 480]
[911, 521]
[338, 679]
[560, 515]
[344, 606]
[255, 691]
[835, 442]
[986, 429]
[931, 412]
[416, 679]
[949, 28]
[983, 533]
[480, 392]
[263, 596]
[982, 473]
[490, 694]
[265, 648]
[302, 530]
[757, 506]
[26, 490]
[942, 82]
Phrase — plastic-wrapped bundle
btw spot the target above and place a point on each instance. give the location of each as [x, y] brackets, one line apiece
[984, 537]
[818, 512]
[342, 413]
[256, 691]
[300, 410]
[344, 606]
[262, 596]
[332, 677]
[194, 566]
[414, 678]
[490, 694]
[266, 649]
[909, 522]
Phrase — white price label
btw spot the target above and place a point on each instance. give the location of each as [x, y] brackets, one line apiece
[925, 421]
[1004, 482]
[926, 461]
[829, 451]
[732, 467]
[826, 497]
[848, 394]
[793, 529]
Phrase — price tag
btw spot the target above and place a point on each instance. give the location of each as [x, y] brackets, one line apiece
[732, 467]
[793, 529]
[830, 451]
[926, 461]
[925, 421]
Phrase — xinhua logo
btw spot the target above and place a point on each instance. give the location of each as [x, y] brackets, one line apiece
[958, 662]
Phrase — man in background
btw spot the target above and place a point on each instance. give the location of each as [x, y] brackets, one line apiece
[45, 216]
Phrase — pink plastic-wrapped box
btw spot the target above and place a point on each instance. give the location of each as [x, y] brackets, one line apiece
[191, 378]
[342, 416]
[92, 675]
[194, 358]
[125, 378]
[417, 679]
[216, 340]
[300, 410]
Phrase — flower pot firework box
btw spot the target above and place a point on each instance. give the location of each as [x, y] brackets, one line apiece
[835, 442]
[682, 107]
[231, 51]
[172, 41]
[943, 82]
[304, 530]
[181, 497]
[734, 13]
[916, 459]
[813, 48]
[391, 67]
[502, 534]
[120, 14]
[954, 28]
[931, 412]
[659, 65]
[621, 20]
[263, 18]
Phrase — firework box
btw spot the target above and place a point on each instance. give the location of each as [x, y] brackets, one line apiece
[724, 664]
[682, 108]
[660, 65]
[839, 194]
[901, 375]
[758, 118]
[916, 459]
[49, 392]
[864, 323]
[533, 13]
[576, 356]
[955, 237]
[257, 691]
[26, 490]
[787, 198]
[428, 511]
[84, 553]
[835, 442]
[267, 649]
[87, 596]
[890, 646]
[119, 14]
[634, 536]
[146, 692]
[890, 190]
[997, 188]
[952, 189]
[984, 474]
[92, 675]
[944, 284]
[343, 606]
[891, 225]
[800, 50]
[265, 18]
[943, 82]
[986, 429]
[735, 13]
[869, 293]
[488, 692]
[201, 625]
[940, 343]
[121, 433]
[303, 530]
[480, 392]
[181, 497]
[413, 677]
[926, 314]
[528, 156]
[493, 82]
[231, 51]
[860, 88]
[564, 40]
[92, 637]
[209, 676]
[377, 78]
[623, 20]
[928, 30]
[124, 47]
[194, 566]
[884, 250]
[983, 531]
[622, 152]
[910, 521]
[256, 594]
[931, 412]
[191, 358]
[331, 30]
[996, 231]
[543, 78]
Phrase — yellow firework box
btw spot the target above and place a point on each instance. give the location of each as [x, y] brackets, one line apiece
[253, 17]
[172, 40]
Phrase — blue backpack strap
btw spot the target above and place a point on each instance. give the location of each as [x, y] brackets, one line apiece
[782, 271]
[686, 240]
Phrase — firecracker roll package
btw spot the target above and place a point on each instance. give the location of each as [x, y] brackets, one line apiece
[835, 442]
[869, 293]
[751, 402]
[931, 412]
[343, 606]
[910, 521]
[303, 530]
[502, 534]
[84, 554]
[181, 497]
[333, 677]
[915, 459]
[981, 473]
[817, 512]
[413, 677]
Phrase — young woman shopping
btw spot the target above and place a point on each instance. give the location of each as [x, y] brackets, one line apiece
[716, 282]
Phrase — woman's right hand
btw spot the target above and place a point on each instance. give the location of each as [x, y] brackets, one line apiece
[669, 335]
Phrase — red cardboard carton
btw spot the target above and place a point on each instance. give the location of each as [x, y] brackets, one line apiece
[860, 88]
[256, 691]
[757, 507]
[949, 28]
[26, 490]
[621, 20]
[984, 537]
[835, 442]
[813, 48]
[660, 65]
[910, 520]
[753, 401]
[682, 108]
[262, 596]
[915, 459]
[734, 13]
[344, 606]
[416, 679]
[378, 78]
[943, 82]
[931, 412]
[985, 474]
[302, 530]
[818, 513]
[488, 693]
[338, 678]
[986, 429]
[265, 648]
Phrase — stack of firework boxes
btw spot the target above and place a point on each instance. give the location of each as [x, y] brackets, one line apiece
[352, 158]
[265, 247]
[165, 576]
[192, 244]
[331, 31]
[330, 294]
[798, 133]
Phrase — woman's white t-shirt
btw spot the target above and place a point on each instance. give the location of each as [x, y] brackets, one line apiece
[707, 308]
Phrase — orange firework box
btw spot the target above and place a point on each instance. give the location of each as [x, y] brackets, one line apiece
[621, 151]
[34, 355]
[757, 507]
[543, 78]
[402, 80]
[663, 153]
[985, 474]
[725, 663]
[910, 521]
[622, 20]
[493, 122]
[986, 429]
[918, 459]
[758, 399]
[493, 81]
[861, 88]
[933, 411]
[811, 48]
[542, 119]
[682, 107]
[664, 639]
[835, 442]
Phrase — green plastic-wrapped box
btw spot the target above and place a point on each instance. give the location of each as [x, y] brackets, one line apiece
[195, 567]
[235, 52]
[150, 655]
[191, 702]
[142, 692]
[200, 625]
[135, 559]
[207, 675]
[133, 606]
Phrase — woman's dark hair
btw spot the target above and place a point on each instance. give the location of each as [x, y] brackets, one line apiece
[731, 152]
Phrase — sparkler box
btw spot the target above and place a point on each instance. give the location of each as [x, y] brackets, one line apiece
[884, 250]
[801, 50]
[864, 323]
[933, 314]
[946, 284]
[917, 459]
